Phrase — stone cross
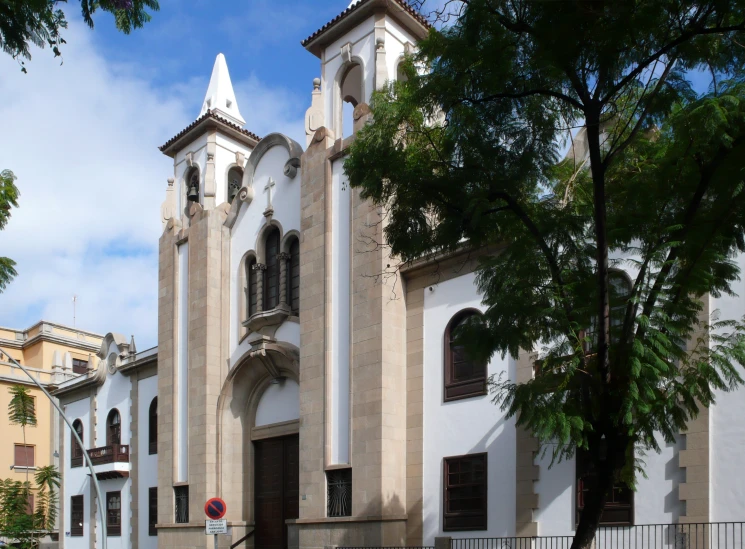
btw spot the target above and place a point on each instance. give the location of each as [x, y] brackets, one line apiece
[268, 188]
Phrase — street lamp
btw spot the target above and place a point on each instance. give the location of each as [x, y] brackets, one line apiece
[101, 502]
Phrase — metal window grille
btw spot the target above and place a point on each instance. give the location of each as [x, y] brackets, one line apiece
[182, 504]
[77, 515]
[152, 519]
[339, 493]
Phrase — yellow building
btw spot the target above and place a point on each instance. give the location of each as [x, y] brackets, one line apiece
[53, 353]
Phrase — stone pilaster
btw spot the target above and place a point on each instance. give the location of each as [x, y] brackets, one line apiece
[694, 492]
[526, 471]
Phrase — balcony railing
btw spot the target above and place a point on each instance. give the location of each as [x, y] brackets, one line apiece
[714, 535]
[114, 453]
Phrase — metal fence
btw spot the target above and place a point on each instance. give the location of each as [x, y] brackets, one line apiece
[714, 535]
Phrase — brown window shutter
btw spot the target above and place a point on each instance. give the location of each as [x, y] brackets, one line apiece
[76, 515]
[24, 456]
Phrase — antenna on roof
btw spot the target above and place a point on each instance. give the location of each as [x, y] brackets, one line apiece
[74, 303]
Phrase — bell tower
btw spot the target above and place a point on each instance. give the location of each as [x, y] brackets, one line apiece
[209, 156]
[353, 379]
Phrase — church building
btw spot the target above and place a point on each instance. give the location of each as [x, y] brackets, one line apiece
[325, 403]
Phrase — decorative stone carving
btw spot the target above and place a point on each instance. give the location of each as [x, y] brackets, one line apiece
[190, 159]
[168, 207]
[268, 188]
[346, 53]
[314, 115]
[272, 140]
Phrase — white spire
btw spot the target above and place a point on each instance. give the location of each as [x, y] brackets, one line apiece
[220, 96]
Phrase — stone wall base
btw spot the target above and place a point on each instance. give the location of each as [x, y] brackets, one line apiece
[346, 533]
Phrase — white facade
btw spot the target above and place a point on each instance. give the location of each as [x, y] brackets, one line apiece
[118, 381]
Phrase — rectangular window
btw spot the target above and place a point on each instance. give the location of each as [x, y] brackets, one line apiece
[181, 494]
[152, 511]
[79, 366]
[619, 508]
[114, 513]
[76, 515]
[339, 500]
[24, 456]
[465, 495]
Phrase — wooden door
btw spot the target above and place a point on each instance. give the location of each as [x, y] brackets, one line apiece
[277, 489]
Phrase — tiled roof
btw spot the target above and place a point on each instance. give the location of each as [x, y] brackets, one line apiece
[209, 114]
[343, 15]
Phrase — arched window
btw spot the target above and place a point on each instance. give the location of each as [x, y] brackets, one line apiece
[76, 453]
[192, 185]
[464, 376]
[351, 96]
[252, 289]
[271, 275]
[293, 277]
[153, 427]
[235, 178]
[113, 428]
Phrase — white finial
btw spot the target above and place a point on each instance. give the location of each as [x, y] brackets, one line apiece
[220, 96]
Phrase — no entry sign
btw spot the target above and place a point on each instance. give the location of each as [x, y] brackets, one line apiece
[215, 508]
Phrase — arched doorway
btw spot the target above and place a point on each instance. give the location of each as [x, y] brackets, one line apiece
[258, 468]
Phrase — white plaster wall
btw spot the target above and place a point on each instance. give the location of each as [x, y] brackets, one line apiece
[656, 500]
[340, 313]
[180, 167]
[182, 361]
[248, 225]
[363, 48]
[118, 485]
[147, 465]
[76, 481]
[114, 393]
[224, 160]
[727, 427]
[396, 38]
[278, 403]
[466, 426]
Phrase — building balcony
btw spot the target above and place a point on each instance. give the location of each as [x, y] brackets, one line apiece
[115, 453]
[109, 462]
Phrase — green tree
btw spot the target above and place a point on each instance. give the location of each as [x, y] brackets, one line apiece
[22, 525]
[8, 198]
[465, 152]
[22, 410]
[40, 22]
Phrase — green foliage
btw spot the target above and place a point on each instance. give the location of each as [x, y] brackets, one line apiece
[39, 22]
[20, 524]
[21, 409]
[8, 198]
[465, 153]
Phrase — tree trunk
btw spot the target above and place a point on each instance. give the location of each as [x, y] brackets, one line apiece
[594, 506]
[601, 240]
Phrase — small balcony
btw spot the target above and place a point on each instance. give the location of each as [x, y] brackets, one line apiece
[115, 453]
[109, 462]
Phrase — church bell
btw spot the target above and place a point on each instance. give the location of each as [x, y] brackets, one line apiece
[193, 192]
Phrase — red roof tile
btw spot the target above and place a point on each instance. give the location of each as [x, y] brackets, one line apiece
[209, 114]
[343, 15]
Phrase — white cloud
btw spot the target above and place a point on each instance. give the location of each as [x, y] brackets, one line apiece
[82, 139]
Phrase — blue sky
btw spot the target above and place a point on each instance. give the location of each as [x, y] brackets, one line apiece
[84, 146]
[82, 138]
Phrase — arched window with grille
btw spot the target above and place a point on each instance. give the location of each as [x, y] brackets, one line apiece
[235, 178]
[252, 286]
[293, 277]
[464, 376]
[271, 275]
[76, 452]
[113, 428]
[153, 427]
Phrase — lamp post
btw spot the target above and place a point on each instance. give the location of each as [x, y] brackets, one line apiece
[89, 463]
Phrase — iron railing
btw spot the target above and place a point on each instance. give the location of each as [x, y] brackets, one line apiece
[114, 453]
[710, 535]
